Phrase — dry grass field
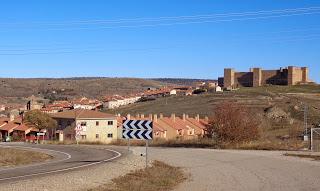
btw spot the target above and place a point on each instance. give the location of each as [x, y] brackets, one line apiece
[159, 176]
[14, 157]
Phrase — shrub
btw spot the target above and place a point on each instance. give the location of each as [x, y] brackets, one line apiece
[233, 123]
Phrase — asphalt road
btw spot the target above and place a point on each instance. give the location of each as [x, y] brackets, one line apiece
[240, 170]
[66, 158]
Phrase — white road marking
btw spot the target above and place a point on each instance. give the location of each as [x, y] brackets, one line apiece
[66, 169]
[39, 164]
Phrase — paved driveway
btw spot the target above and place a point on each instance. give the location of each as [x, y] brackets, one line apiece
[240, 170]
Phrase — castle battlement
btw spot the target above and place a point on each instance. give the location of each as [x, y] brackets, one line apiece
[290, 75]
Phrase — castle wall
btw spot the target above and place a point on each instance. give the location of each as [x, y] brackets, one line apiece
[274, 77]
[258, 77]
[243, 79]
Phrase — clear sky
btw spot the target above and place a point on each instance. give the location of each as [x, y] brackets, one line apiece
[156, 38]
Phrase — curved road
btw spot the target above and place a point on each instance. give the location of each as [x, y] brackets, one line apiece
[66, 158]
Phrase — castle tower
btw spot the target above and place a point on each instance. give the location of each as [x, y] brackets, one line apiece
[305, 74]
[228, 77]
[257, 77]
[291, 75]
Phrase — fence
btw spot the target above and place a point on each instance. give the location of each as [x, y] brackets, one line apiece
[315, 139]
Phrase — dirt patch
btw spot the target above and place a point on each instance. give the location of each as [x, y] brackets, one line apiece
[14, 157]
[159, 176]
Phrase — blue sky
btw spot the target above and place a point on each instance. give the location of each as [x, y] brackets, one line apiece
[158, 38]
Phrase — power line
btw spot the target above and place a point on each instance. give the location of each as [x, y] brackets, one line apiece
[179, 20]
[101, 50]
[249, 13]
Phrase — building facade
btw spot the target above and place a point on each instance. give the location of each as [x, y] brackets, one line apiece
[96, 126]
[290, 75]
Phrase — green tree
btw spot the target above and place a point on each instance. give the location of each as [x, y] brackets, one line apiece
[40, 120]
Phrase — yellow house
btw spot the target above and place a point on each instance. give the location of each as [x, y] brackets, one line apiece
[95, 126]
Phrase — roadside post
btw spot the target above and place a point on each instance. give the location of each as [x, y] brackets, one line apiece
[39, 135]
[138, 129]
[78, 130]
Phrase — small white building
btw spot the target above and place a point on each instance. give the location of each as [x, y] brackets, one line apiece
[173, 92]
[218, 89]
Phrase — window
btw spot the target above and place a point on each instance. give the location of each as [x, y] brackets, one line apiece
[83, 137]
[97, 136]
[110, 122]
[110, 135]
[97, 123]
[83, 124]
[191, 132]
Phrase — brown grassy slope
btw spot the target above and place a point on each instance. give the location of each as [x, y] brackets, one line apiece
[14, 157]
[259, 99]
[90, 87]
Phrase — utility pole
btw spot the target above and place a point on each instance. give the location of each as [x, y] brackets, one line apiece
[305, 119]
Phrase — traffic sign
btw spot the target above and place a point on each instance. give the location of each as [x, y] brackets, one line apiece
[137, 134]
[40, 134]
[137, 124]
[138, 129]
[78, 128]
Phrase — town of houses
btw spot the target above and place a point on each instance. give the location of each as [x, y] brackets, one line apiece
[100, 126]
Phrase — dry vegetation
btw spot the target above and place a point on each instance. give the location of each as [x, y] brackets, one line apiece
[13, 157]
[309, 156]
[159, 176]
[279, 108]
[11, 88]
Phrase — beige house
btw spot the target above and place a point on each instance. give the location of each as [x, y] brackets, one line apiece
[96, 126]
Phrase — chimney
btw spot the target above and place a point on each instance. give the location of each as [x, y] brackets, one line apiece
[184, 117]
[142, 116]
[187, 116]
[119, 115]
[150, 117]
[137, 116]
[206, 118]
[161, 115]
[198, 117]
[128, 116]
[155, 118]
[173, 117]
[11, 117]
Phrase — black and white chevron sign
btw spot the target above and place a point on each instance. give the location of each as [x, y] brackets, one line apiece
[137, 134]
[137, 129]
[137, 124]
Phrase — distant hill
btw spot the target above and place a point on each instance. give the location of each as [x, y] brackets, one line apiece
[181, 81]
[72, 87]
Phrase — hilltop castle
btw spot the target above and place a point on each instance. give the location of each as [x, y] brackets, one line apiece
[257, 77]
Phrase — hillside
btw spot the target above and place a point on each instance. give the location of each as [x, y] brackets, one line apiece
[280, 110]
[72, 87]
[181, 81]
[288, 99]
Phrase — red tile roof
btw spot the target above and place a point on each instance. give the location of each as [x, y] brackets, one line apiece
[9, 126]
[83, 113]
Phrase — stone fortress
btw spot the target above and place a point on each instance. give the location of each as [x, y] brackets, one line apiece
[290, 75]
